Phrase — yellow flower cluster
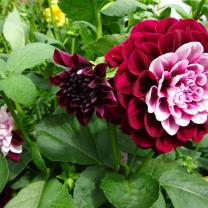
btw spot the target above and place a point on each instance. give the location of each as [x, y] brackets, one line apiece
[58, 15]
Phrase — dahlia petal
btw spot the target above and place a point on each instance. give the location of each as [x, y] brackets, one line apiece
[204, 61]
[145, 37]
[187, 25]
[62, 58]
[202, 37]
[151, 99]
[84, 118]
[183, 120]
[166, 143]
[166, 43]
[100, 70]
[135, 113]
[200, 79]
[164, 24]
[152, 126]
[200, 117]
[127, 48]
[142, 139]
[142, 85]
[138, 62]
[146, 26]
[191, 51]
[191, 109]
[114, 56]
[197, 68]
[16, 149]
[170, 126]
[186, 133]
[162, 111]
[163, 63]
[164, 84]
[201, 130]
[80, 61]
[14, 156]
[179, 68]
[175, 111]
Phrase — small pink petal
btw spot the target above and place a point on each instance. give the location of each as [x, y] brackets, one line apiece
[197, 68]
[163, 63]
[175, 111]
[151, 99]
[179, 68]
[184, 120]
[200, 79]
[162, 110]
[191, 51]
[204, 61]
[170, 126]
[200, 118]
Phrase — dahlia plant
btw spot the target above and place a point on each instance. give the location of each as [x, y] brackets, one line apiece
[103, 104]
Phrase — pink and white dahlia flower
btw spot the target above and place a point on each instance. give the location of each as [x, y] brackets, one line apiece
[162, 83]
[10, 139]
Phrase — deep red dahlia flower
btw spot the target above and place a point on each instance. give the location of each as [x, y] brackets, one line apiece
[83, 87]
[162, 82]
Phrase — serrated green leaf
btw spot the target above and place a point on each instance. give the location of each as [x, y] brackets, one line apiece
[121, 8]
[41, 194]
[102, 45]
[14, 30]
[4, 173]
[19, 88]
[141, 191]
[59, 141]
[86, 191]
[29, 56]
[185, 190]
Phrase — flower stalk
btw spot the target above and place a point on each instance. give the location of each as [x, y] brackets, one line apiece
[114, 145]
[198, 10]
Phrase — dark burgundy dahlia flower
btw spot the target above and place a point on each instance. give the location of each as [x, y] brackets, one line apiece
[83, 87]
[162, 82]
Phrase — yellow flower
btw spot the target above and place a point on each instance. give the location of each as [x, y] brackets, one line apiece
[59, 16]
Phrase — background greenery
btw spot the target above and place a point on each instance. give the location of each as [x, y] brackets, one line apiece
[64, 165]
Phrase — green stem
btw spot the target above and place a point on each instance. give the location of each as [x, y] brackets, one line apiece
[133, 159]
[16, 118]
[114, 145]
[53, 21]
[99, 26]
[73, 45]
[146, 161]
[199, 8]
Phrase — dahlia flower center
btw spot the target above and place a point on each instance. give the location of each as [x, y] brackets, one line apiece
[76, 88]
[181, 95]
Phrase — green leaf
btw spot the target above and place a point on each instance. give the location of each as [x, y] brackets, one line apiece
[14, 30]
[3, 68]
[86, 192]
[110, 73]
[55, 195]
[4, 173]
[42, 195]
[185, 190]
[141, 191]
[19, 88]
[160, 203]
[29, 56]
[156, 167]
[59, 141]
[165, 13]
[121, 8]
[86, 10]
[15, 168]
[180, 10]
[37, 158]
[102, 45]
